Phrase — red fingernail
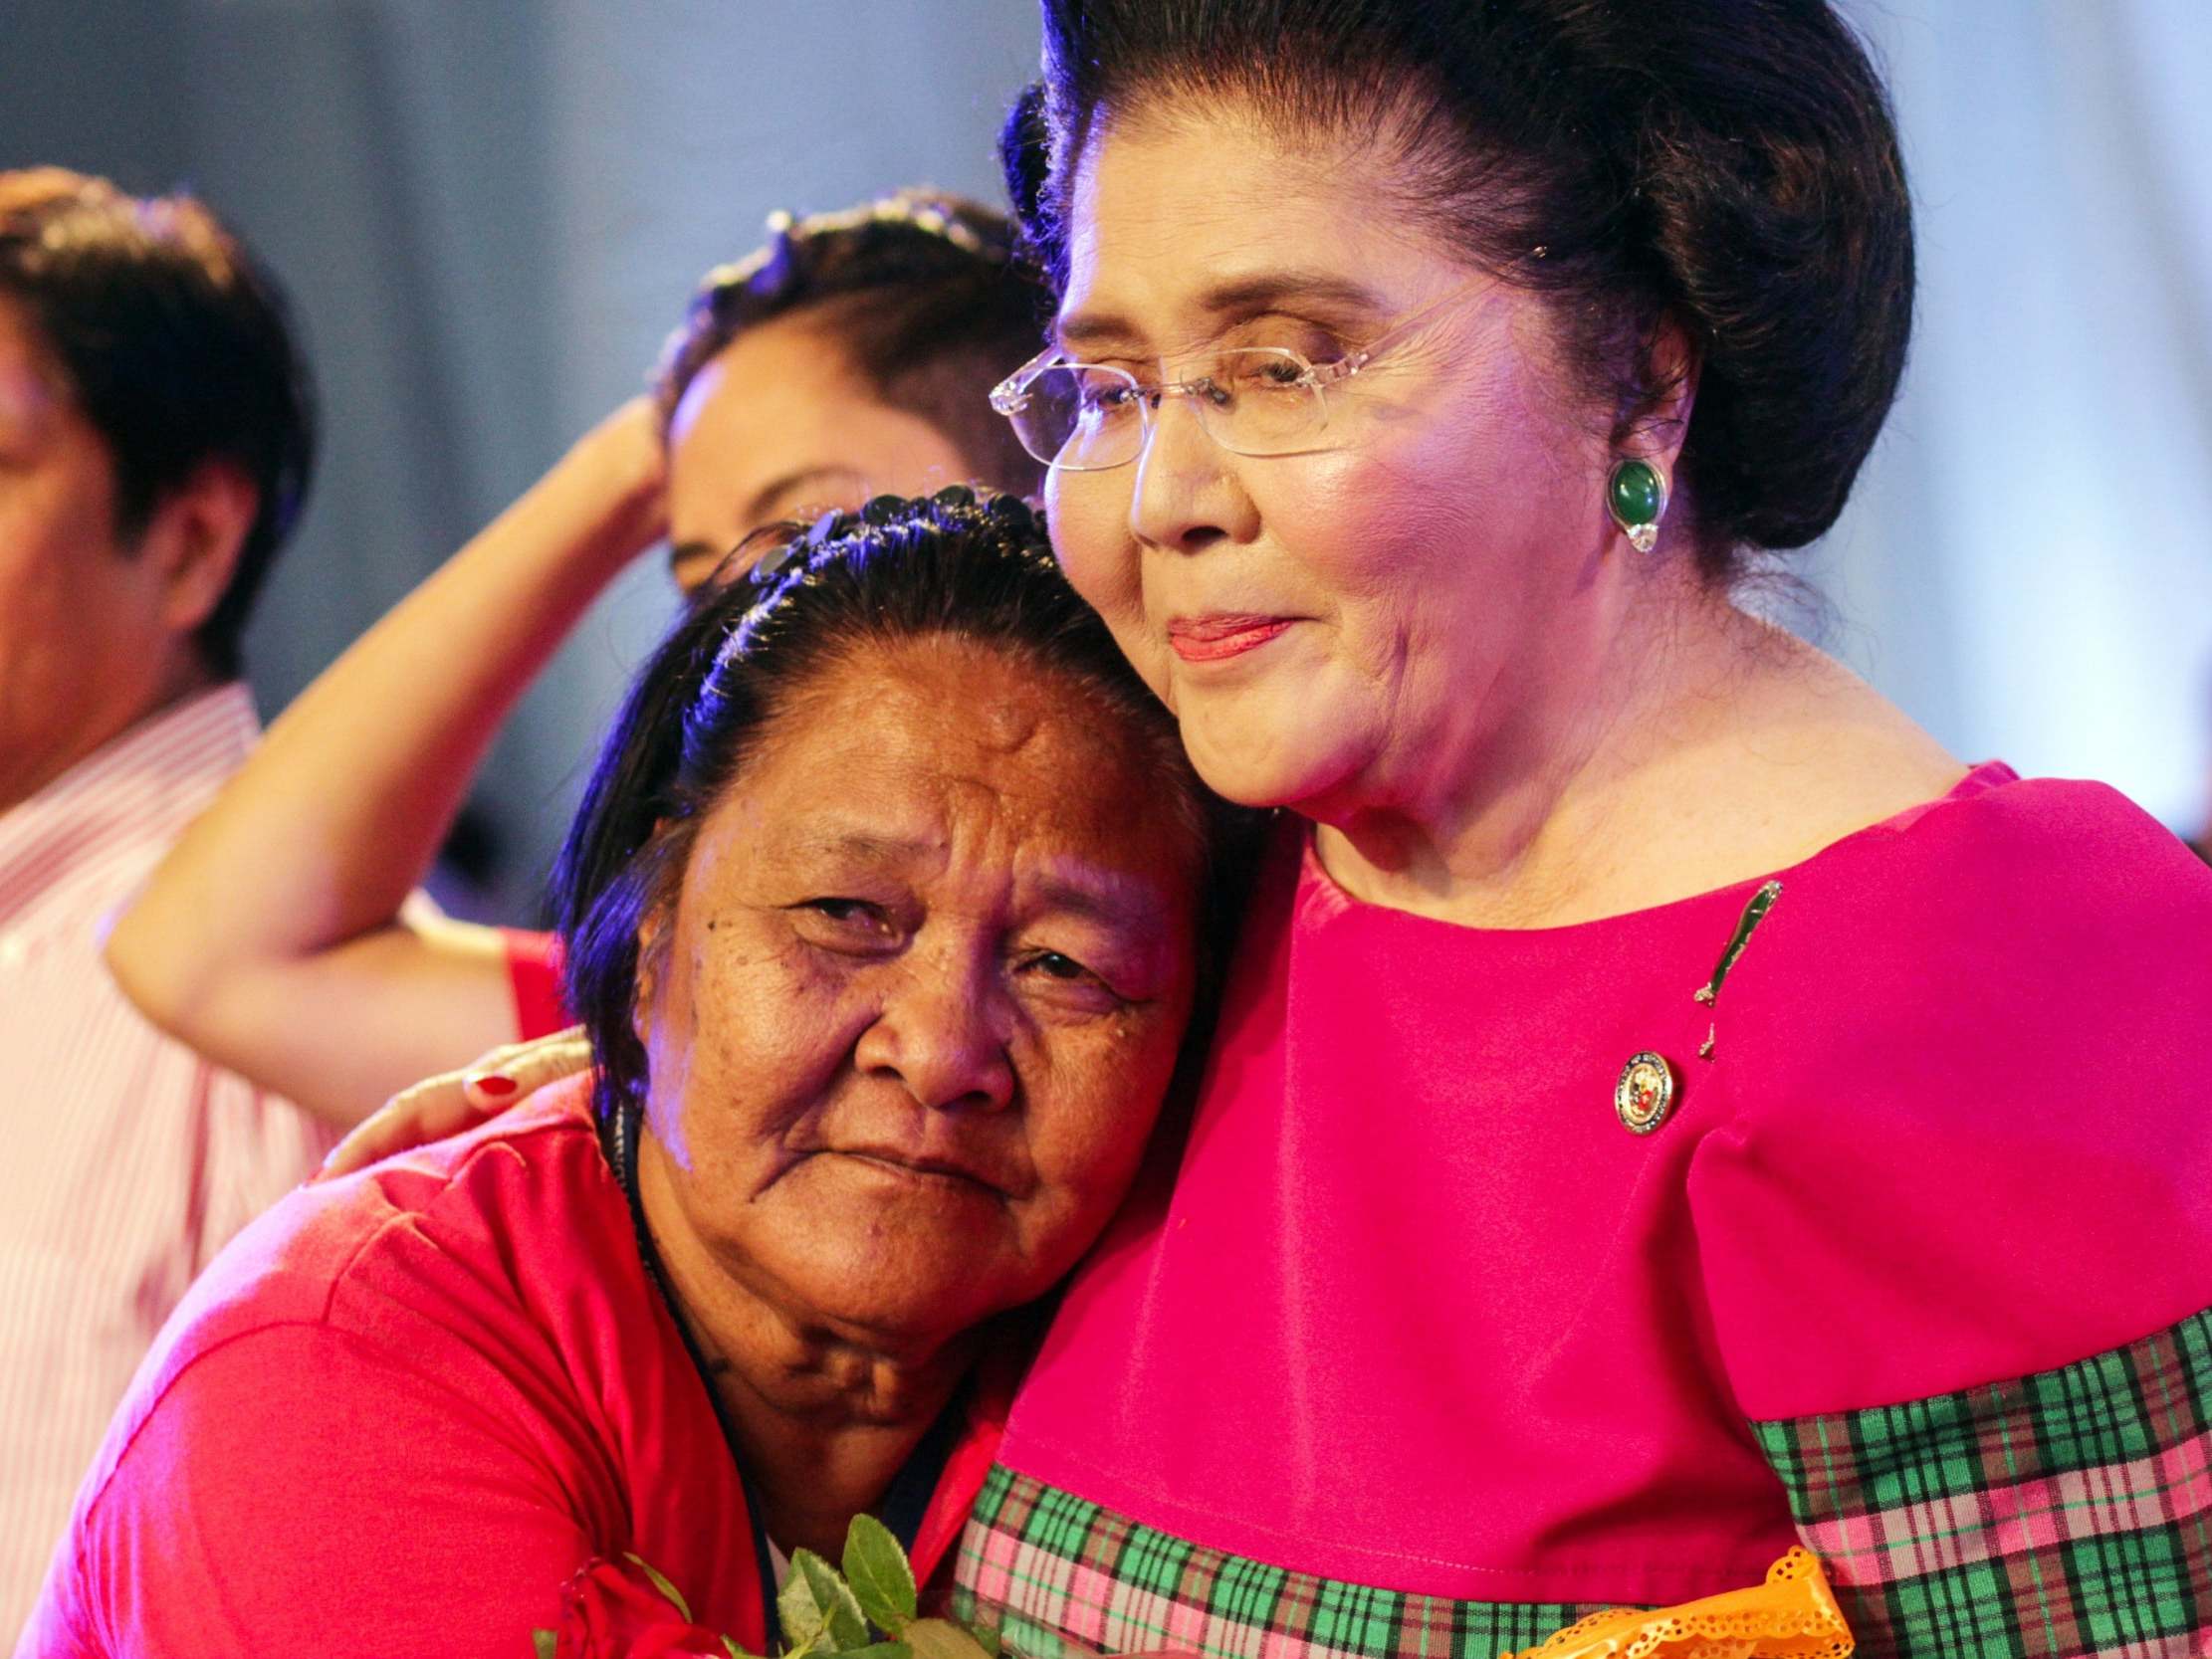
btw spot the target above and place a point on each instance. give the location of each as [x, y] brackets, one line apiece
[495, 1085]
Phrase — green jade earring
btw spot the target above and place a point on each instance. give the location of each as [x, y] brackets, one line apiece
[1635, 496]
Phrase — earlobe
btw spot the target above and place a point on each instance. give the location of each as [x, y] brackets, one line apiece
[1653, 430]
[1649, 434]
[196, 535]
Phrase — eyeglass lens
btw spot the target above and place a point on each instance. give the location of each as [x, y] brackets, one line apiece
[1251, 400]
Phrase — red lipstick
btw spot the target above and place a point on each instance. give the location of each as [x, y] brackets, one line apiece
[1214, 638]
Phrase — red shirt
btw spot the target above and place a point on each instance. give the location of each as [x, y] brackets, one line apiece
[401, 1411]
[534, 967]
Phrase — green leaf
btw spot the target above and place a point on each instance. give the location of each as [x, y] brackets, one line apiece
[936, 1638]
[876, 1569]
[546, 1642]
[986, 1638]
[675, 1596]
[815, 1604]
[799, 1613]
[880, 1650]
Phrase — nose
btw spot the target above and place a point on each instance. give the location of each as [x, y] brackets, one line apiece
[1188, 494]
[941, 1031]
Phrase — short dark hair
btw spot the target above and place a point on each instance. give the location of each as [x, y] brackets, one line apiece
[954, 566]
[176, 347]
[919, 290]
[1730, 164]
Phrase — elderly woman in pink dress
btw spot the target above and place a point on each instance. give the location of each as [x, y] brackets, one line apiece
[1665, 1108]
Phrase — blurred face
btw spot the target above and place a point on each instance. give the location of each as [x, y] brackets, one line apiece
[1327, 624]
[912, 1019]
[86, 647]
[779, 426]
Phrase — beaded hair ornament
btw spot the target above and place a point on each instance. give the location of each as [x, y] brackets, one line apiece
[769, 270]
[839, 534]
[821, 256]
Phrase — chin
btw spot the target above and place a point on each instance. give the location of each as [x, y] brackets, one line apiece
[922, 1321]
[1273, 755]
[901, 1288]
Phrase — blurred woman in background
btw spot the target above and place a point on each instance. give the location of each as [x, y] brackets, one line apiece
[849, 358]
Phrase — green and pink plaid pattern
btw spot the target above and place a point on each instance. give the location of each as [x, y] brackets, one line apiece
[2062, 1515]
[2069, 1513]
[1051, 1570]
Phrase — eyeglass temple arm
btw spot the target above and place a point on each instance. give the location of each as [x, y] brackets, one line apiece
[1011, 393]
[1353, 362]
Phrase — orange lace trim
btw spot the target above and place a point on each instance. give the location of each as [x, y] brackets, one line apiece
[1792, 1614]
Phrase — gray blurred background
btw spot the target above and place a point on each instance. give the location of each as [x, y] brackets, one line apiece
[489, 212]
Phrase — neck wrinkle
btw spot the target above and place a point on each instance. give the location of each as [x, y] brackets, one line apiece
[1521, 824]
[821, 1420]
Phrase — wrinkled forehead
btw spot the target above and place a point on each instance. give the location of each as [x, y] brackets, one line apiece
[943, 758]
[1181, 222]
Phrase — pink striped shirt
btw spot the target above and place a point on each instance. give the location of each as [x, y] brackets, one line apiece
[128, 1160]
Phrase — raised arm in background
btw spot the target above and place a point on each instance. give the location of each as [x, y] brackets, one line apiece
[284, 917]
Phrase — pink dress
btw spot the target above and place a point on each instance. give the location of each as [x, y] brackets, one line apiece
[1428, 1349]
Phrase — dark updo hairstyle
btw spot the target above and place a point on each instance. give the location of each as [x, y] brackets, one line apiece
[954, 566]
[922, 294]
[178, 349]
[1730, 164]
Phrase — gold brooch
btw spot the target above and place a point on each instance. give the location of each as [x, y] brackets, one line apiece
[1645, 1093]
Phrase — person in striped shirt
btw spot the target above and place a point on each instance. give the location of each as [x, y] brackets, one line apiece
[156, 437]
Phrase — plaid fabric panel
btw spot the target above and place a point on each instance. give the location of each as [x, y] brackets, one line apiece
[1057, 1574]
[2069, 1513]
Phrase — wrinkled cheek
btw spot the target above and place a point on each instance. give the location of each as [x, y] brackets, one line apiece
[753, 1044]
[1076, 1204]
[1089, 1158]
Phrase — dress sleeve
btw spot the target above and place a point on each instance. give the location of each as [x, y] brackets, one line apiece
[293, 1495]
[2067, 1513]
[1956, 1234]
[534, 968]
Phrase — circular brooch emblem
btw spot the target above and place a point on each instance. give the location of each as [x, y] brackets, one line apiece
[1645, 1093]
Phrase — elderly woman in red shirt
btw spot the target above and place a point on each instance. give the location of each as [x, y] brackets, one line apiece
[887, 984]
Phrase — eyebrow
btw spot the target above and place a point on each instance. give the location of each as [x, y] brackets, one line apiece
[1117, 903]
[855, 844]
[681, 553]
[1239, 298]
[1109, 903]
[756, 508]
